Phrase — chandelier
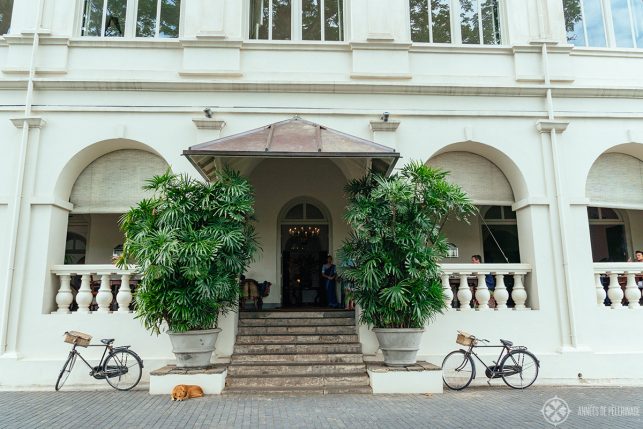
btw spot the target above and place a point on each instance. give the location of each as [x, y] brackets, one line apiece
[303, 232]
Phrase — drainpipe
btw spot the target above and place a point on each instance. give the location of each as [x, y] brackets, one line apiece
[18, 196]
[552, 127]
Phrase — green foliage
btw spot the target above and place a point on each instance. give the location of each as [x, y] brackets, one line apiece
[191, 241]
[393, 251]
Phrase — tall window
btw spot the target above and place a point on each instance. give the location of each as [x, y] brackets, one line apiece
[601, 23]
[455, 21]
[154, 18]
[297, 20]
[6, 6]
[500, 235]
[607, 235]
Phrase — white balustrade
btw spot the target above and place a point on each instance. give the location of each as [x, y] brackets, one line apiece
[477, 274]
[103, 301]
[624, 287]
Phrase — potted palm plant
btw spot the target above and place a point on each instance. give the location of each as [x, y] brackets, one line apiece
[393, 252]
[191, 241]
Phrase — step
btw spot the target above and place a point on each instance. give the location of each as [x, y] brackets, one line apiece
[297, 348]
[294, 368]
[299, 381]
[260, 359]
[301, 321]
[322, 314]
[298, 391]
[297, 330]
[296, 339]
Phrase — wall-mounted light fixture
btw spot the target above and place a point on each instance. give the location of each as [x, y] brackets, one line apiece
[208, 112]
[385, 116]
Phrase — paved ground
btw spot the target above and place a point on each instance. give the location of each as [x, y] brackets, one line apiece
[473, 408]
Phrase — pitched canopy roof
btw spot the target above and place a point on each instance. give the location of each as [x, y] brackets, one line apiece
[292, 138]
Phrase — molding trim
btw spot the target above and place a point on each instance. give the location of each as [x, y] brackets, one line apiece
[384, 126]
[208, 124]
[52, 201]
[381, 76]
[607, 204]
[4, 201]
[546, 126]
[39, 70]
[32, 121]
[211, 73]
[530, 201]
[381, 44]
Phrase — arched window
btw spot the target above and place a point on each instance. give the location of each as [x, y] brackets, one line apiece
[607, 234]
[296, 20]
[75, 248]
[468, 22]
[304, 211]
[6, 7]
[499, 234]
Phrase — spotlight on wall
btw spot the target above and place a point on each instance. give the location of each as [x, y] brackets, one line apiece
[385, 116]
[208, 112]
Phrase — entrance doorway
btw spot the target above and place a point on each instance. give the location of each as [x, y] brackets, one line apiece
[304, 248]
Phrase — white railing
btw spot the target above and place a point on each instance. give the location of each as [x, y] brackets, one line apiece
[460, 280]
[103, 288]
[620, 282]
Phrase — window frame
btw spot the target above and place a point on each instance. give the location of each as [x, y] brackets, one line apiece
[608, 26]
[296, 33]
[13, 7]
[456, 24]
[131, 19]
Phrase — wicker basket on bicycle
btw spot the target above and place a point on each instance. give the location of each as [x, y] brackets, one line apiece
[78, 338]
[465, 339]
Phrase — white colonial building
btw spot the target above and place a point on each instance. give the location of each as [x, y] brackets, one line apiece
[534, 106]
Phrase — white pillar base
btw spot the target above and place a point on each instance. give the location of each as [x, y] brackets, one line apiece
[422, 377]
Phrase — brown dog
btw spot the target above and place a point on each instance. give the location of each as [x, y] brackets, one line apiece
[186, 391]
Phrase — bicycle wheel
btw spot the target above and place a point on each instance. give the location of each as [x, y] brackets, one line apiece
[64, 373]
[123, 369]
[457, 370]
[519, 369]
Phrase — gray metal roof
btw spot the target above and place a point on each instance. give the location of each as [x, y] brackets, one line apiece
[292, 138]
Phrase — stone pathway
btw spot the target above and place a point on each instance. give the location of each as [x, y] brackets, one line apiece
[590, 407]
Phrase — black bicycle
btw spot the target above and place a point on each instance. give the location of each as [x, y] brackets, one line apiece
[119, 366]
[517, 366]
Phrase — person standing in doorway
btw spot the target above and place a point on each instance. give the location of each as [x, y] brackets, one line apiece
[329, 274]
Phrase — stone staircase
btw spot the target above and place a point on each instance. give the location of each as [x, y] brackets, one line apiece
[283, 352]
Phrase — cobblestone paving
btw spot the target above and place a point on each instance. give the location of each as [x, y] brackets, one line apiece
[590, 407]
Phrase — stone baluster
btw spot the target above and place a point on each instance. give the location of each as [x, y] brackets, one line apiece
[500, 294]
[464, 293]
[104, 296]
[482, 292]
[519, 294]
[632, 292]
[446, 291]
[84, 296]
[614, 292]
[64, 297]
[600, 291]
[124, 296]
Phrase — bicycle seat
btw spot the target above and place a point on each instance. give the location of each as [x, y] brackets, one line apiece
[107, 341]
[506, 343]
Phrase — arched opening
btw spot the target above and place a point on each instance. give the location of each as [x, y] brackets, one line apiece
[304, 230]
[102, 192]
[614, 188]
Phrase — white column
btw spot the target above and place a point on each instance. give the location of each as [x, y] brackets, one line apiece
[104, 296]
[600, 291]
[500, 294]
[84, 296]
[519, 294]
[632, 292]
[64, 297]
[614, 292]
[482, 292]
[464, 294]
[124, 296]
[446, 291]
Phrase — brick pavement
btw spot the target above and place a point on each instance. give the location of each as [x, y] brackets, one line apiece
[474, 407]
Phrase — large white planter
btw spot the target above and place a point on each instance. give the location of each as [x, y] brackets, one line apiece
[399, 345]
[193, 349]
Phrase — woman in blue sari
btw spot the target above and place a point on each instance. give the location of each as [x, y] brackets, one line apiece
[329, 274]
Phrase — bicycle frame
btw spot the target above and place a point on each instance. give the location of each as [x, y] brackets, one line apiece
[94, 369]
[490, 371]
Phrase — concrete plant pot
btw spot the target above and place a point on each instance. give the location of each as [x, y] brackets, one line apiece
[399, 345]
[193, 349]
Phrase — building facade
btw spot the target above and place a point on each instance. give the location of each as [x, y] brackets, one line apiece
[534, 106]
